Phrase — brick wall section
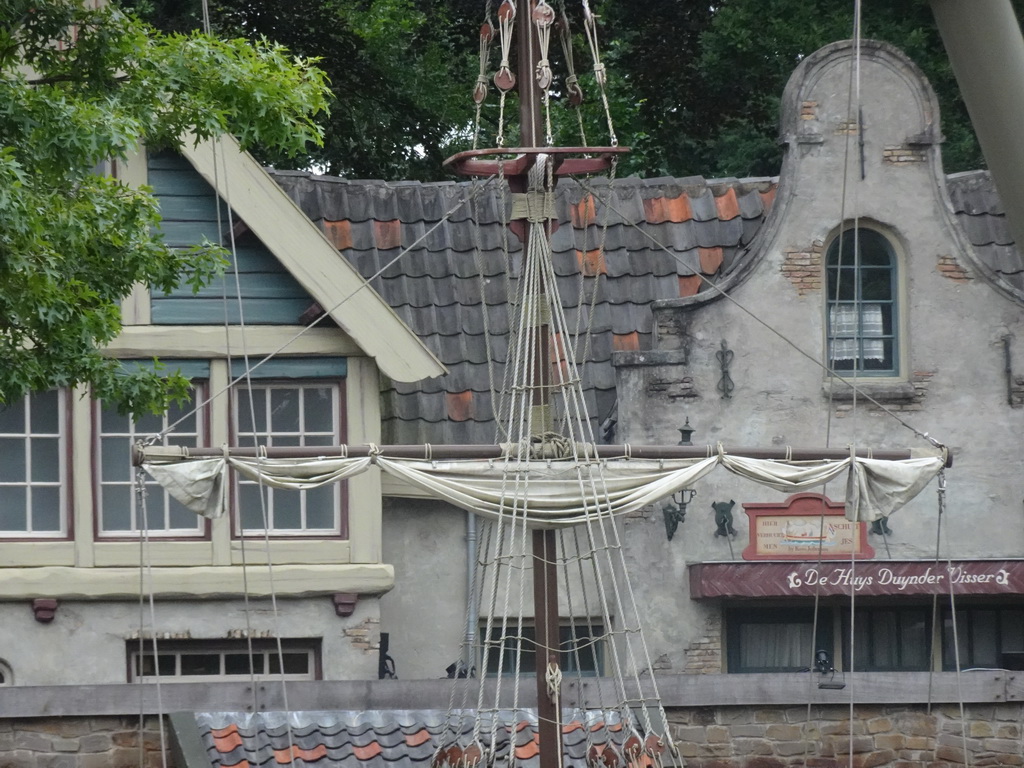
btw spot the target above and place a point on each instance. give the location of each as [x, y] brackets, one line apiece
[802, 267]
[671, 387]
[364, 637]
[902, 154]
[907, 400]
[883, 736]
[79, 742]
[808, 110]
[704, 655]
[951, 268]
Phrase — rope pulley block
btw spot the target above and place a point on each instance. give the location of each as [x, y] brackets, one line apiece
[504, 80]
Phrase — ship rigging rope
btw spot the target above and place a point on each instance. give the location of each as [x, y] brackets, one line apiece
[246, 608]
[146, 574]
[274, 610]
[855, 95]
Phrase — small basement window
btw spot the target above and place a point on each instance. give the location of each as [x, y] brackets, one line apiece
[196, 661]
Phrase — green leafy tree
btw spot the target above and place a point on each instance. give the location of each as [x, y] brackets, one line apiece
[704, 81]
[78, 87]
[695, 88]
[400, 73]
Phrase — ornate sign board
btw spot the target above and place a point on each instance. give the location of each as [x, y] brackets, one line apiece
[803, 526]
[963, 577]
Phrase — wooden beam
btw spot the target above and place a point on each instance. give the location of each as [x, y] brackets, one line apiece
[448, 452]
[677, 691]
[313, 261]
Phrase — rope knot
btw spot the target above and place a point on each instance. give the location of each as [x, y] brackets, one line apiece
[553, 678]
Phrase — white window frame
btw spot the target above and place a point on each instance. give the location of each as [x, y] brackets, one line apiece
[264, 654]
[198, 437]
[61, 483]
[270, 438]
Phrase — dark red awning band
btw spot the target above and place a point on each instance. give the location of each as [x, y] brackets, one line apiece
[891, 578]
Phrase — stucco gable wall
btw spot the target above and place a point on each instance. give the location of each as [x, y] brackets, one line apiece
[951, 383]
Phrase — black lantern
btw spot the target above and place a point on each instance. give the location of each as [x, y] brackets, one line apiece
[676, 513]
[685, 433]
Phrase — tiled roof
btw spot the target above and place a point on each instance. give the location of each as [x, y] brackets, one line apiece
[981, 216]
[661, 236]
[391, 739]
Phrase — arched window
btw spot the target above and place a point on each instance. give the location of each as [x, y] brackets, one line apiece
[862, 305]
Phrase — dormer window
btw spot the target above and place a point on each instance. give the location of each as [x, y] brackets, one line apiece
[861, 304]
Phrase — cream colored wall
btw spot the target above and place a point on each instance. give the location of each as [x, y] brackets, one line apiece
[85, 567]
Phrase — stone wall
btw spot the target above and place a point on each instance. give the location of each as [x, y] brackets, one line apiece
[882, 736]
[80, 742]
[904, 736]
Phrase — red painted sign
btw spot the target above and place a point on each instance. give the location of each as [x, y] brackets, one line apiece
[964, 577]
[805, 526]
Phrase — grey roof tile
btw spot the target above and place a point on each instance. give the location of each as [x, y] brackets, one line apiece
[436, 290]
[980, 213]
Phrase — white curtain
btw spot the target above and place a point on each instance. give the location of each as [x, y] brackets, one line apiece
[559, 492]
[850, 326]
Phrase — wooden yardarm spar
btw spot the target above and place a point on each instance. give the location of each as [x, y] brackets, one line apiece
[530, 171]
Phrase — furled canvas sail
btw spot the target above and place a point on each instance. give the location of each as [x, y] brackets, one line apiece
[556, 493]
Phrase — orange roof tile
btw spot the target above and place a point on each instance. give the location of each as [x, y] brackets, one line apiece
[678, 209]
[654, 210]
[592, 262]
[421, 736]
[529, 749]
[728, 206]
[284, 757]
[584, 212]
[226, 739]
[369, 751]
[767, 198]
[239, 764]
[710, 259]
[626, 341]
[460, 405]
[339, 233]
[658, 210]
[387, 234]
[689, 285]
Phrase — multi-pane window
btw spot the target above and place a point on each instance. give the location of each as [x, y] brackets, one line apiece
[196, 661]
[988, 638]
[776, 639]
[861, 304]
[120, 510]
[889, 638]
[280, 415]
[32, 470]
[581, 648]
